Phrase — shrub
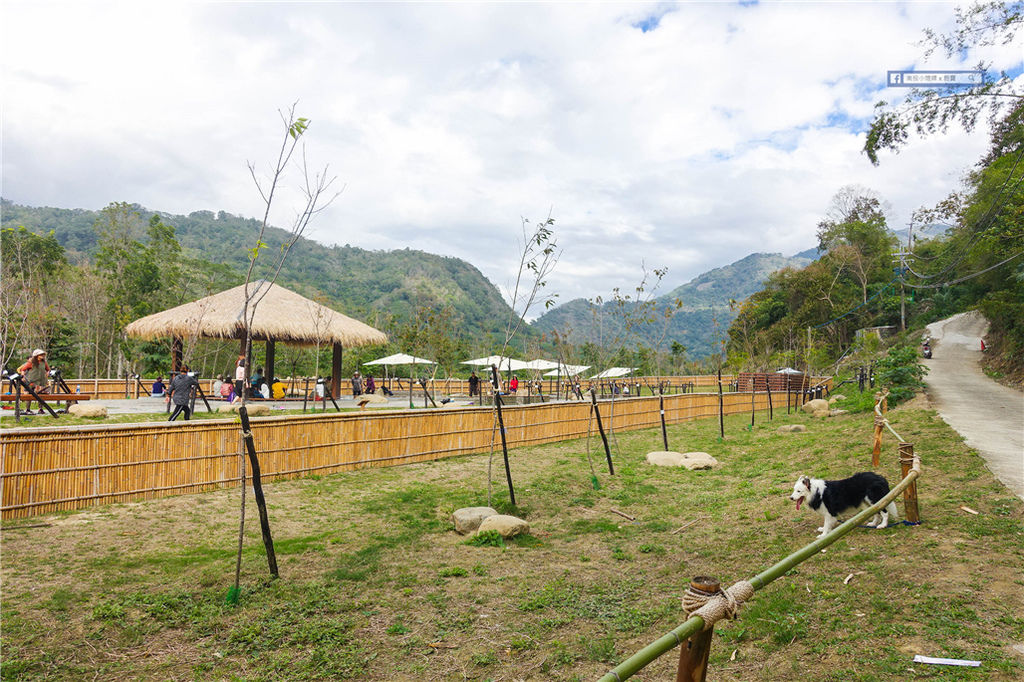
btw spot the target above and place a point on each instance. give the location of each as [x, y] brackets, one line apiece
[900, 371]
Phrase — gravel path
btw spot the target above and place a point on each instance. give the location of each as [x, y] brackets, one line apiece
[988, 415]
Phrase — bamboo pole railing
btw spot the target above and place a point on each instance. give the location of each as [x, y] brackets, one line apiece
[54, 469]
[690, 630]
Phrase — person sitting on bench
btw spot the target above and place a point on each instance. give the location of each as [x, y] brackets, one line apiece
[36, 373]
[158, 387]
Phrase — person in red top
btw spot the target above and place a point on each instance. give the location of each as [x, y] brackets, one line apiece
[513, 385]
[36, 373]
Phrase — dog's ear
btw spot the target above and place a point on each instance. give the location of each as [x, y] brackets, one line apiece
[806, 481]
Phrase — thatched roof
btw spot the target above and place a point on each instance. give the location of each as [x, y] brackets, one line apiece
[281, 315]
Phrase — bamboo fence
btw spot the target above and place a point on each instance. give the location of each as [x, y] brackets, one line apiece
[45, 470]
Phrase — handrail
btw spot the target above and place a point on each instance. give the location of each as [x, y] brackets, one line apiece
[695, 624]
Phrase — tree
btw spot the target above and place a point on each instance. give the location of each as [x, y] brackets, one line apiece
[858, 240]
[30, 272]
[927, 111]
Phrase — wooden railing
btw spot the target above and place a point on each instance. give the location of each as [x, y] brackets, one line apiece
[46, 470]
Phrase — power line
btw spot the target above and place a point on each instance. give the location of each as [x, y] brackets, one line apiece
[966, 277]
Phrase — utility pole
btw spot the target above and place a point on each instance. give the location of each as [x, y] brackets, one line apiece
[901, 271]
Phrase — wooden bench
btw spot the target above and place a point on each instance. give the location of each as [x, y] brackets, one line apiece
[27, 397]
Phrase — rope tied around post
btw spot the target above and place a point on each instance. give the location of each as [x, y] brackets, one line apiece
[712, 607]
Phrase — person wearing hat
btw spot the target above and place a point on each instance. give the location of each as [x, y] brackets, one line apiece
[36, 373]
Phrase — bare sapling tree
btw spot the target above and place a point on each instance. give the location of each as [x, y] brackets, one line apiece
[315, 189]
[538, 255]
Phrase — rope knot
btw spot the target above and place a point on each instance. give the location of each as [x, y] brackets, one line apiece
[712, 607]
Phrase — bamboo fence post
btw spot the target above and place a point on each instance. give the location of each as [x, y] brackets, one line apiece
[600, 428]
[768, 387]
[694, 652]
[257, 488]
[501, 430]
[910, 510]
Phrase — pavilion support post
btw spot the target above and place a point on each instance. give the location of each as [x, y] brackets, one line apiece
[336, 357]
[176, 353]
[269, 374]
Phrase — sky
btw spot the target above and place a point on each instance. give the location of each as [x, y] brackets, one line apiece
[660, 135]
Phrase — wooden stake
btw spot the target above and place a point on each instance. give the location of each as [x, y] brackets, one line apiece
[721, 408]
[600, 428]
[910, 510]
[694, 652]
[661, 408]
[257, 488]
[501, 429]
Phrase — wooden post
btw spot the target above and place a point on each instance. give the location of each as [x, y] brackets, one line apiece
[876, 449]
[753, 396]
[336, 358]
[176, 353]
[269, 361]
[600, 428]
[694, 652]
[768, 387]
[910, 510]
[257, 488]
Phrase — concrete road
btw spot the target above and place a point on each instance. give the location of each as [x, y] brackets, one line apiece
[988, 415]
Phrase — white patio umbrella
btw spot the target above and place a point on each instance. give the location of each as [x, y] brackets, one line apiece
[540, 364]
[567, 370]
[613, 372]
[398, 359]
[503, 363]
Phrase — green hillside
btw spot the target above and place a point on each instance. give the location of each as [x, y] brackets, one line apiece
[380, 287]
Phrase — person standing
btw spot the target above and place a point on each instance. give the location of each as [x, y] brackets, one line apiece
[36, 373]
[357, 385]
[240, 377]
[180, 393]
[474, 384]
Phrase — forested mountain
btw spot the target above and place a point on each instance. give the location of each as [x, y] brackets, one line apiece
[701, 317]
[379, 287]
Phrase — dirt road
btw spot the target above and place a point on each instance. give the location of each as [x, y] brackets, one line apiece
[988, 415]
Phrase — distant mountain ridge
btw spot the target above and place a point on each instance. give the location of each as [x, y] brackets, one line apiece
[702, 319]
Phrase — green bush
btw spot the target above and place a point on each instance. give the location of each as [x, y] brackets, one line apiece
[900, 372]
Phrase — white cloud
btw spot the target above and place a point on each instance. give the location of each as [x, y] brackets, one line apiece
[722, 131]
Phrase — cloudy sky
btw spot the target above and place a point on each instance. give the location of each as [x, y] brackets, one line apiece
[681, 135]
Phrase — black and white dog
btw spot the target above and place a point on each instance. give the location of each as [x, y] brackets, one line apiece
[832, 498]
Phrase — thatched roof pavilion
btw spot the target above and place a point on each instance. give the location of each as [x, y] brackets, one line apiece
[281, 315]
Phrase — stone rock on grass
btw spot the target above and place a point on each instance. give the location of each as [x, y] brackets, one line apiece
[816, 405]
[88, 410]
[508, 526]
[229, 407]
[468, 519]
[690, 460]
[836, 413]
[791, 428]
[836, 398]
[821, 414]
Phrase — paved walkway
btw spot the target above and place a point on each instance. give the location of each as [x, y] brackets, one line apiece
[987, 414]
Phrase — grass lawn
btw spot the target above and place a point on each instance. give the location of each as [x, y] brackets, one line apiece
[376, 585]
